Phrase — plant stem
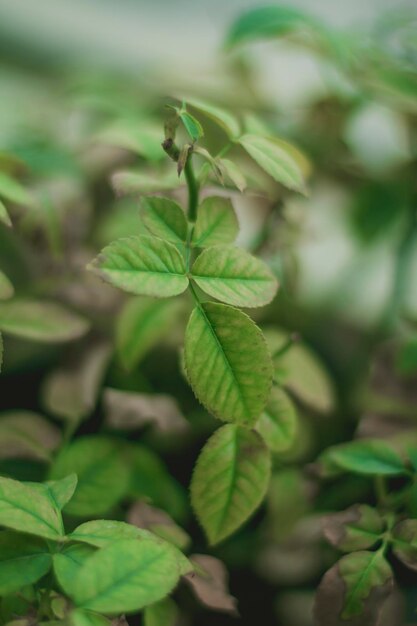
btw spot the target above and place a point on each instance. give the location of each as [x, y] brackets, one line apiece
[193, 189]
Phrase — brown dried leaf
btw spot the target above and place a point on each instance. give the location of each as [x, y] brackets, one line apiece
[209, 582]
[24, 434]
[70, 392]
[357, 528]
[127, 411]
[160, 523]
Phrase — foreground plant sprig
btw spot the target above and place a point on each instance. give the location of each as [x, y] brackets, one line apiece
[226, 358]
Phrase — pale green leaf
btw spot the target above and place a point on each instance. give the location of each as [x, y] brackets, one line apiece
[142, 265]
[101, 471]
[23, 561]
[12, 190]
[4, 216]
[126, 576]
[164, 218]
[230, 480]
[6, 287]
[24, 434]
[276, 160]
[28, 510]
[140, 326]
[162, 613]
[278, 423]
[100, 533]
[40, 321]
[68, 562]
[128, 182]
[227, 363]
[234, 276]
[232, 172]
[192, 125]
[222, 118]
[216, 223]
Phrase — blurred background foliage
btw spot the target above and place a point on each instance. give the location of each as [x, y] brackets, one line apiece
[83, 87]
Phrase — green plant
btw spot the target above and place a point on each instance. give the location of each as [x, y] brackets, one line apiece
[115, 381]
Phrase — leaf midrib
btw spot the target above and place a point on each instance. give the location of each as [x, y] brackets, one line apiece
[219, 344]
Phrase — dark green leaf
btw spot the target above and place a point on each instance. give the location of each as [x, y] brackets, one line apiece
[23, 561]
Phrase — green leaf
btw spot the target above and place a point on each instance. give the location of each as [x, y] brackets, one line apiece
[216, 223]
[222, 118]
[357, 528]
[68, 562]
[278, 423]
[276, 160]
[126, 576]
[142, 265]
[40, 321]
[354, 590]
[227, 363]
[192, 126]
[28, 510]
[1, 351]
[12, 190]
[369, 457]
[151, 480]
[6, 287]
[301, 370]
[162, 613]
[4, 216]
[79, 617]
[24, 434]
[234, 276]
[263, 22]
[101, 533]
[164, 218]
[70, 392]
[233, 173]
[140, 326]
[102, 474]
[230, 480]
[404, 536]
[61, 491]
[23, 561]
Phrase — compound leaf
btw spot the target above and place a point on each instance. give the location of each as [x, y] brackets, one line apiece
[227, 363]
[216, 223]
[230, 480]
[142, 265]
